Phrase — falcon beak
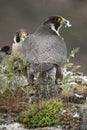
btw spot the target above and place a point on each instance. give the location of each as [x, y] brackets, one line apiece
[23, 35]
[65, 22]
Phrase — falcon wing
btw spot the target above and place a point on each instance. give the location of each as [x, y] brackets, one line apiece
[44, 51]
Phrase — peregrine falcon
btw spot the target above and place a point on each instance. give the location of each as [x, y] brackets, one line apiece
[5, 50]
[45, 50]
[18, 40]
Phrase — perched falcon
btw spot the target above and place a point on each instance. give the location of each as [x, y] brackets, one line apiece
[18, 39]
[45, 50]
[5, 50]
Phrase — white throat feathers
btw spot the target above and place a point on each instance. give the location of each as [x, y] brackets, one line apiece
[53, 28]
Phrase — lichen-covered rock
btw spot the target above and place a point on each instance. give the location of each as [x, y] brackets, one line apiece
[70, 118]
[83, 112]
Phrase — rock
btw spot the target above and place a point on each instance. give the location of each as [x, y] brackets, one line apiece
[13, 126]
[5, 118]
[83, 111]
[17, 126]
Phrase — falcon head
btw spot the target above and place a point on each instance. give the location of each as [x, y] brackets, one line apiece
[56, 22]
[20, 35]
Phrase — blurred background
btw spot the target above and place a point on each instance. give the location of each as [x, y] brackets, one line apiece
[29, 14]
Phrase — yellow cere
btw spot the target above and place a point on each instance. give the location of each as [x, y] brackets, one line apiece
[23, 34]
[62, 20]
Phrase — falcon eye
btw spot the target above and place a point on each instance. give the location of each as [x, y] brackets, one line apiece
[58, 19]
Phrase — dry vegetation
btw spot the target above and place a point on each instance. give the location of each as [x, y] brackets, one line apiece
[16, 96]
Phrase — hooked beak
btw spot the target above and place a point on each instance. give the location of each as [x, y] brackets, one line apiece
[23, 36]
[66, 22]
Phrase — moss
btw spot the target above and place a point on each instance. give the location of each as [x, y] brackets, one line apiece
[46, 115]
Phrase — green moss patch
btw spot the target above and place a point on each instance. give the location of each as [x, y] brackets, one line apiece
[47, 114]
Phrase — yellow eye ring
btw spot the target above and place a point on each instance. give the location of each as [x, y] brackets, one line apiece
[58, 19]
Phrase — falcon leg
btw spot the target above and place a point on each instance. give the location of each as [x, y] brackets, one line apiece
[30, 73]
[59, 74]
[52, 77]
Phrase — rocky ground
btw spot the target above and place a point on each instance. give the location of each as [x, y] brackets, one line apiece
[79, 100]
[14, 100]
[17, 126]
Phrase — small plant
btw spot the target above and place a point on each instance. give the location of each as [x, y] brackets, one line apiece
[46, 115]
[12, 73]
[69, 76]
[68, 64]
[69, 68]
